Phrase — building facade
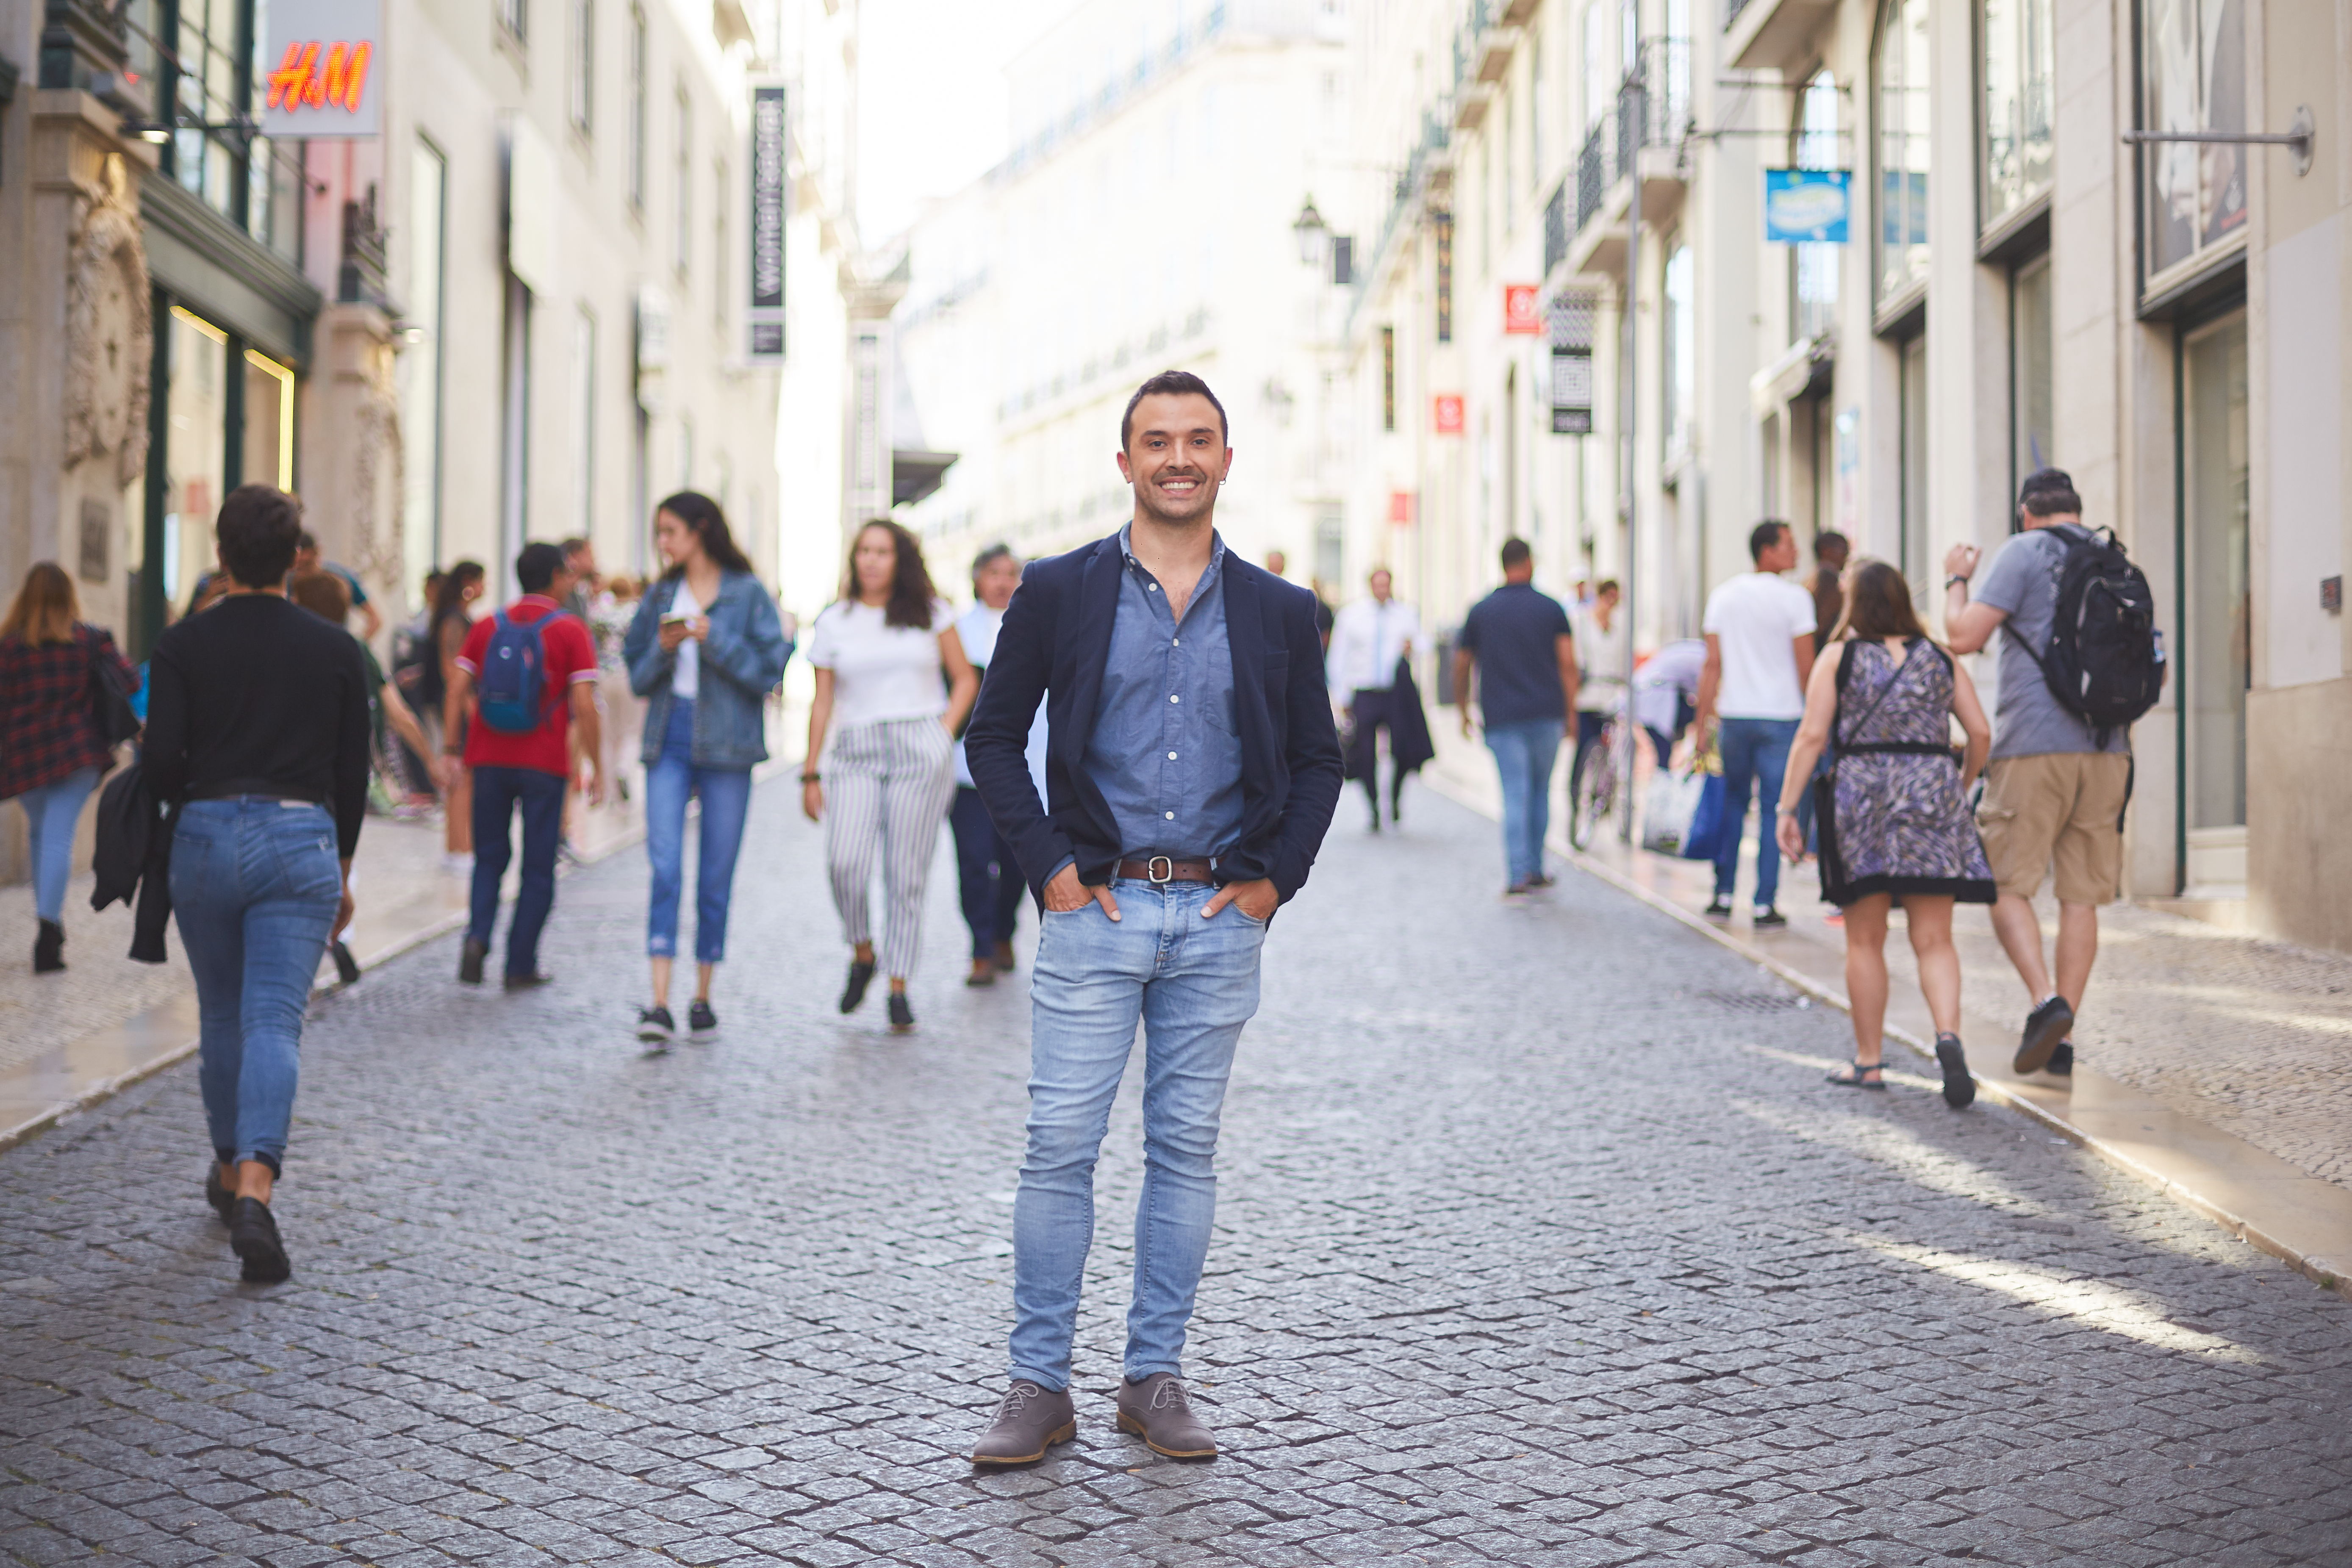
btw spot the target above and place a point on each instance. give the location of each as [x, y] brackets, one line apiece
[1148, 218]
[2023, 272]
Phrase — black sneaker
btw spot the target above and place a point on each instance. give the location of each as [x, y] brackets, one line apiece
[1719, 909]
[902, 1017]
[469, 963]
[861, 975]
[701, 1023]
[253, 1236]
[2062, 1060]
[1767, 919]
[2045, 1026]
[655, 1026]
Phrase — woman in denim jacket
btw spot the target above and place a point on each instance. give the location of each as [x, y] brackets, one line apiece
[706, 648]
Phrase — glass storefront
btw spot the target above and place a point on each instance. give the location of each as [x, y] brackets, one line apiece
[2193, 78]
[2018, 104]
[202, 62]
[2217, 632]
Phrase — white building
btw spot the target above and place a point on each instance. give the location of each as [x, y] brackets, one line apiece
[1143, 222]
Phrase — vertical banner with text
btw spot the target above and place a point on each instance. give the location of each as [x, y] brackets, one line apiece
[771, 206]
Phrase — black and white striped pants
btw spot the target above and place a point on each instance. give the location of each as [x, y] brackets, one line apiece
[888, 789]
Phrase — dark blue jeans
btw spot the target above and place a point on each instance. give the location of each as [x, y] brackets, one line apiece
[1755, 753]
[986, 874]
[496, 792]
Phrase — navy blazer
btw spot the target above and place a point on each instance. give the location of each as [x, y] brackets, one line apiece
[1054, 645]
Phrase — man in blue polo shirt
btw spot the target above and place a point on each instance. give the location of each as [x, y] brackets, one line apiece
[1517, 638]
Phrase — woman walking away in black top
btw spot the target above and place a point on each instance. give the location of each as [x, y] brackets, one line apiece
[51, 752]
[257, 730]
[1883, 698]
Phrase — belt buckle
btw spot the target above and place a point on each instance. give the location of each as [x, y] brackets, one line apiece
[1153, 873]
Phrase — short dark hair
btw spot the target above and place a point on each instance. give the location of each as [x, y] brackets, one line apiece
[2047, 491]
[1764, 536]
[258, 529]
[1173, 384]
[1830, 539]
[307, 540]
[536, 567]
[1516, 552]
[1607, 585]
[999, 550]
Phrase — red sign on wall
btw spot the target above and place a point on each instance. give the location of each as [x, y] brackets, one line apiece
[1446, 410]
[1521, 313]
[323, 54]
[1400, 507]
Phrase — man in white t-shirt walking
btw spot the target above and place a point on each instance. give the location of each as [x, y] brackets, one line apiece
[1760, 654]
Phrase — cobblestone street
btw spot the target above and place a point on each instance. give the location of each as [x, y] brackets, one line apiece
[1540, 1241]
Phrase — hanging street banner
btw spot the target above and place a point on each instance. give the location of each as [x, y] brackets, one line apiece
[1573, 319]
[771, 206]
[1807, 206]
[1522, 316]
[321, 60]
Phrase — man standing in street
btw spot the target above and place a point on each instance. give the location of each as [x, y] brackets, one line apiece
[1519, 639]
[1191, 771]
[516, 767]
[2055, 789]
[1760, 654]
[1830, 552]
[1369, 639]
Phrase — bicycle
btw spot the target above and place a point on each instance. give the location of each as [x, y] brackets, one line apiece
[1598, 776]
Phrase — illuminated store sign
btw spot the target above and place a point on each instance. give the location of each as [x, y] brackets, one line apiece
[322, 61]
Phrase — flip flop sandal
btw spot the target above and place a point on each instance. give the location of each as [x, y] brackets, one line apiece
[1850, 1077]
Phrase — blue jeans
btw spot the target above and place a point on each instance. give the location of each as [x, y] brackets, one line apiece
[1755, 753]
[1524, 754]
[52, 812]
[725, 800]
[1193, 983]
[256, 885]
[986, 874]
[496, 792]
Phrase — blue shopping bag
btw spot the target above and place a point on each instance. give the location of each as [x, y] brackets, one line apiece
[1708, 825]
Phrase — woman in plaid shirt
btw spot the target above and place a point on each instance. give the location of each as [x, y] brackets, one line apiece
[51, 753]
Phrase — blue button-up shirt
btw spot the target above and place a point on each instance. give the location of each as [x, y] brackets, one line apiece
[1166, 748]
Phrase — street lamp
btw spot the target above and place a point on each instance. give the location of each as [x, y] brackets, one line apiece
[1311, 233]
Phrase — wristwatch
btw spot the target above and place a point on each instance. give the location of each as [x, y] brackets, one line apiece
[1955, 581]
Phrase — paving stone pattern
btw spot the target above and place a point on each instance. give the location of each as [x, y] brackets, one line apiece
[1541, 1242]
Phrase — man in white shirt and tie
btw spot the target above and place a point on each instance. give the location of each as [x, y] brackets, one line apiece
[1369, 639]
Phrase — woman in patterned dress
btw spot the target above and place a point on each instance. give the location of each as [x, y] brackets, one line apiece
[1898, 824]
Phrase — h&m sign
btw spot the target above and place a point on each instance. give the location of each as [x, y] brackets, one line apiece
[321, 55]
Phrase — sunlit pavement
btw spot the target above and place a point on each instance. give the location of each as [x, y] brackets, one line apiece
[1540, 1241]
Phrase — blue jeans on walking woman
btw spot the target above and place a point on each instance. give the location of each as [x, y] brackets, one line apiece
[1524, 754]
[1193, 983]
[256, 884]
[52, 811]
[670, 781]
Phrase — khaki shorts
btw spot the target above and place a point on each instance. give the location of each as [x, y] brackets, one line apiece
[2059, 806]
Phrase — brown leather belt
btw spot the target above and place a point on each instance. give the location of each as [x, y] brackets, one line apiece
[1166, 869]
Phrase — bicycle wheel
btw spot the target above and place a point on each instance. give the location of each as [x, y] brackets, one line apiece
[1596, 794]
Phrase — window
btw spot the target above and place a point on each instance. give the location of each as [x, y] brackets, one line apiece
[1598, 94]
[638, 109]
[583, 422]
[514, 15]
[1813, 267]
[419, 366]
[580, 78]
[684, 173]
[1387, 378]
[1678, 351]
[1903, 109]
[2217, 631]
[2018, 103]
[1911, 547]
[2193, 78]
[207, 69]
[719, 207]
[2033, 400]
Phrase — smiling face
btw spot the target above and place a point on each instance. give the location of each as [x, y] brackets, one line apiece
[1176, 457]
[875, 560]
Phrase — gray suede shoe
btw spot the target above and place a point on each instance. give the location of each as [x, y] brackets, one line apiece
[1029, 1420]
[1159, 1411]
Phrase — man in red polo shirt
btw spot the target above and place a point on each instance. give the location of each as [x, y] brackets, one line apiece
[527, 769]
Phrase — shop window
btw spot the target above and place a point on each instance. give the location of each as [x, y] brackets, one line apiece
[2217, 631]
[1901, 66]
[1813, 267]
[196, 476]
[2019, 102]
[2033, 396]
[203, 62]
[2193, 78]
[267, 441]
[1911, 545]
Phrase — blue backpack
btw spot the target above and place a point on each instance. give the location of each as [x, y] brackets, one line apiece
[512, 687]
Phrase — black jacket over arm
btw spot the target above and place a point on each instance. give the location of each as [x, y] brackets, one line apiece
[1055, 642]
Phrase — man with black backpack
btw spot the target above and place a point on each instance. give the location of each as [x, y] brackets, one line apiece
[521, 675]
[2082, 659]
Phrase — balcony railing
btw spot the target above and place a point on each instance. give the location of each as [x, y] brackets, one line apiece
[1596, 170]
[1652, 109]
[1731, 9]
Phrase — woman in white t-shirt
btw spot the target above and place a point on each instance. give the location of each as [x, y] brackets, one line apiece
[879, 653]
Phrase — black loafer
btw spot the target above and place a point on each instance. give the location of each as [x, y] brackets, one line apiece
[469, 963]
[902, 1015]
[253, 1236]
[861, 975]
